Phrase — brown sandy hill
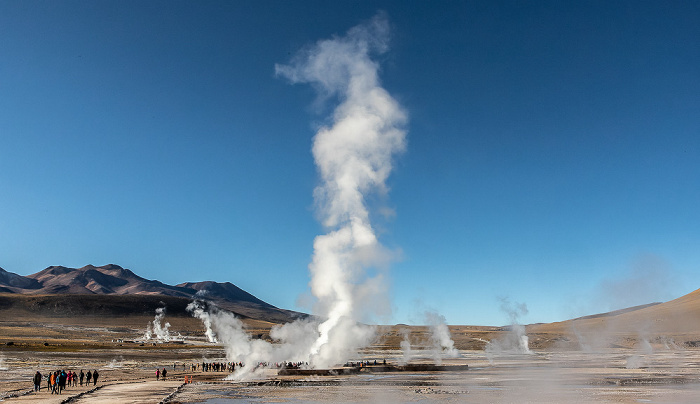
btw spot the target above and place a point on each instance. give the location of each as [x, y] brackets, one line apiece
[676, 317]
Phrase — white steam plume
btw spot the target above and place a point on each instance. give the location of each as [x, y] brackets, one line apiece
[405, 347]
[156, 330]
[199, 312]
[440, 338]
[292, 340]
[354, 158]
[516, 341]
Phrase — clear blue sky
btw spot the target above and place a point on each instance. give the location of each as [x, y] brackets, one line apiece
[553, 153]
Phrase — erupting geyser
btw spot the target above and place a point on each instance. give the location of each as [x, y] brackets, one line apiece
[354, 158]
[353, 154]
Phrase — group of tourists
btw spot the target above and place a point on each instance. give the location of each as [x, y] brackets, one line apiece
[58, 380]
[220, 366]
[203, 367]
[363, 364]
[291, 365]
[215, 366]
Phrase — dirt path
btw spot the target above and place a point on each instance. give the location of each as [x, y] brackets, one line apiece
[135, 392]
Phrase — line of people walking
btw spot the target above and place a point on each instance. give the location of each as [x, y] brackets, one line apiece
[59, 380]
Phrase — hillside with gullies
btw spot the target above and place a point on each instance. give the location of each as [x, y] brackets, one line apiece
[74, 287]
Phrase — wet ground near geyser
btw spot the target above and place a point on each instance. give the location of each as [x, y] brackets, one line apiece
[612, 376]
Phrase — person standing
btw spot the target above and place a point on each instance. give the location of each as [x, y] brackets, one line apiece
[62, 381]
[165, 371]
[37, 381]
[53, 383]
[82, 376]
[157, 374]
[88, 378]
[95, 375]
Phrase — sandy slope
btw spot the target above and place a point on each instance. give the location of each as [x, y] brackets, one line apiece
[676, 317]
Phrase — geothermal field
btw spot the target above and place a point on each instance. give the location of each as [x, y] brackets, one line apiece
[614, 375]
[640, 355]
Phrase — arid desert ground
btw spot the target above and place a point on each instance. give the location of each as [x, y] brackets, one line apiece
[606, 364]
[608, 376]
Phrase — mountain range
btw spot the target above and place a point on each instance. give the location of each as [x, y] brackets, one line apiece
[114, 280]
[113, 290]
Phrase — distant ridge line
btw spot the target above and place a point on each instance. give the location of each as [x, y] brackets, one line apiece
[112, 279]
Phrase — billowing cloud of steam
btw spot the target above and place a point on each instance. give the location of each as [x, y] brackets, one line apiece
[227, 329]
[354, 158]
[292, 341]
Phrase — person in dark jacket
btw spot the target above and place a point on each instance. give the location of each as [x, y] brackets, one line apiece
[62, 377]
[37, 381]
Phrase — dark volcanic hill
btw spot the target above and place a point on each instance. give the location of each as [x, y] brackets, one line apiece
[10, 281]
[115, 280]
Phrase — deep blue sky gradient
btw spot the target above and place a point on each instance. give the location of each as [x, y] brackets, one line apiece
[552, 156]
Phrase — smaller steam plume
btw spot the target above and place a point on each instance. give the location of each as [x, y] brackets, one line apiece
[115, 364]
[439, 344]
[157, 331]
[405, 347]
[515, 341]
[442, 343]
[198, 311]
